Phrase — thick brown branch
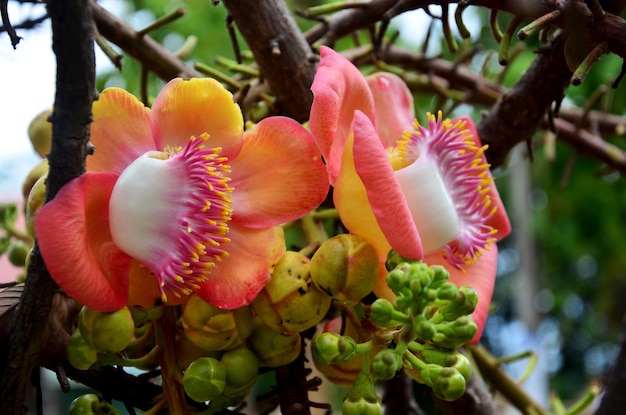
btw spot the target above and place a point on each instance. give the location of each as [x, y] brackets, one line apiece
[72, 41]
[285, 59]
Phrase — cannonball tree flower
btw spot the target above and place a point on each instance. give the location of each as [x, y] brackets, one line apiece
[179, 199]
[425, 191]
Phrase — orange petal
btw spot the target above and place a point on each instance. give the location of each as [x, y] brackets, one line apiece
[120, 131]
[76, 245]
[239, 277]
[278, 176]
[193, 107]
[338, 90]
[480, 276]
[394, 107]
[500, 220]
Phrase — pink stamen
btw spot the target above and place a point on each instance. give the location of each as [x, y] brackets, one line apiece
[466, 177]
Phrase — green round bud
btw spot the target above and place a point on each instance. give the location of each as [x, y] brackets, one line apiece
[386, 363]
[362, 398]
[290, 302]
[204, 379]
[272, 348]
[424, 329]
[80, 354]
[330, 348]
[17, 253]
[213, 329]
[455, 333]
[242, 370]
[464, 304]
[107, 332]
[345, 267]
[447, 291]
[90, 404]
[450, 386]
[381, 312]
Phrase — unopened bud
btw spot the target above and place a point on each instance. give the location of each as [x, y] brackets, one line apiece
[214, 329]
[290, 302]
[345, 267]
[108, 332]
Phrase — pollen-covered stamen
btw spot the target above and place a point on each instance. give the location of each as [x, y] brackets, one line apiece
[170, 210]
[446, 183]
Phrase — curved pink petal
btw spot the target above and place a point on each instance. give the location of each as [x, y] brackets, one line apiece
[338, 90]
[383, 191]
[278, 176]
[192, 107]
[480, 276]
[393, 103]
[500, 220]
[237, 280]
[76, 245]
[120, 131]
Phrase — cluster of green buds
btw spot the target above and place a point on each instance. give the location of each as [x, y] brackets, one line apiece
[423, 326]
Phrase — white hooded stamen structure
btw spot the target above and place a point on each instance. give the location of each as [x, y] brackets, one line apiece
[170, 211]
[445, 182]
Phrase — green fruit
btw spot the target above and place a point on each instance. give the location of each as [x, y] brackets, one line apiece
[40, 133]
[204, 379]
[89, 404]
[272, 348]
[107, 332]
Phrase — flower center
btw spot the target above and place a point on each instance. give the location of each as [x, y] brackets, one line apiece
[170, 211]
[445, 180]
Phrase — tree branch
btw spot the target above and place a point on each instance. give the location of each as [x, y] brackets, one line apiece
[281, 51]
[72, 42]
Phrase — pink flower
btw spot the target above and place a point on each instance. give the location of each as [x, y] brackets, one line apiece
[425, 191]
[178, 199]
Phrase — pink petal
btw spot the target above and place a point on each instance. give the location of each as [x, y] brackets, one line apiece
[480, 276]
[338, 90]
[500, 220]
[76, 245]
[394, 107]
[239, 277]
[278, 176]
[383, 191]
[120, 131]
[193, 107]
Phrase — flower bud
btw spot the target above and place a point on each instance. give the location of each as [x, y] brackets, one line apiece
[35, 194]
[382, 312]
[17, 253]
[424, 329]
[456, 333]
[346, 268]
[450, 386]
[272, 348]
[79, 353]
[107, 332]
[343, 373]
[362, 398]
[213, 329]
[242, 370]
[40, 132]
[464, 304]
[386, 363]
[290, 302]
[90, 404]
[331, 348]
[204, 379]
